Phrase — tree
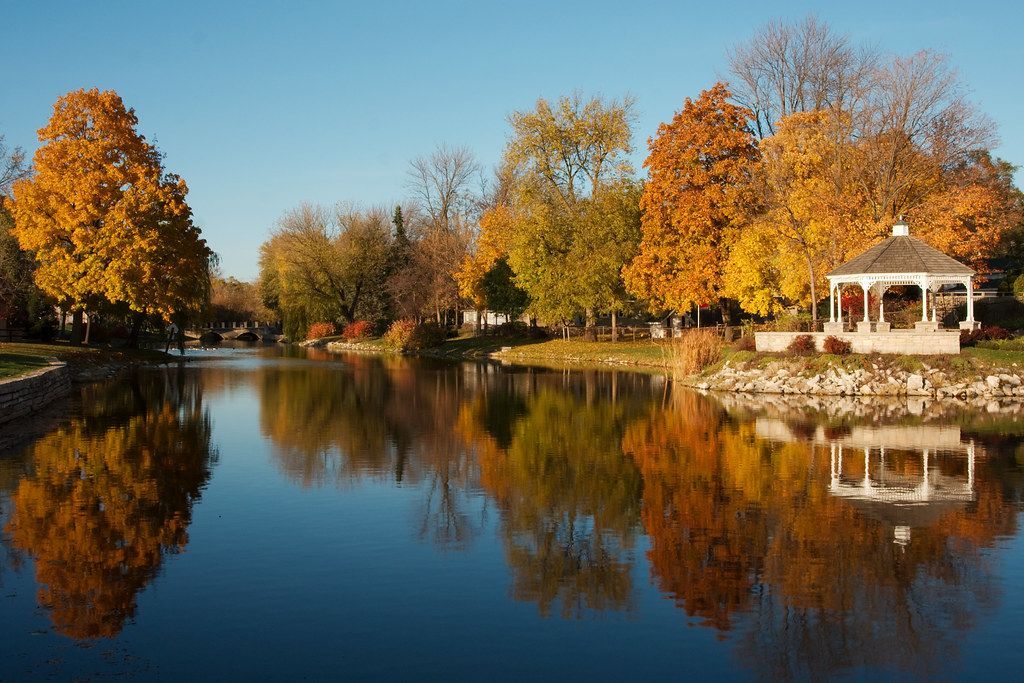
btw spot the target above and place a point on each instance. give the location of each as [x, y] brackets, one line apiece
[324, 266]
[697, 196]
[441, 184]
[500, 292]
[798, 67]
[21, 302]
[12, 166]
[573, 204]
[234, 300]
[492, 244]
[104, 219]
[803, 227]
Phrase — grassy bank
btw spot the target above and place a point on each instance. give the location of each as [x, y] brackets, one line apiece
[21, 357]
[14, 364]
[659, 355]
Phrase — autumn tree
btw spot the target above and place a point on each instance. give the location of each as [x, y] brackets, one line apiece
[573, 204]
[232, 299]
[802, 66]
[106, 222]
[322, 265]
[697, 197]
[442, 184]
[851, 141]
[803, 229]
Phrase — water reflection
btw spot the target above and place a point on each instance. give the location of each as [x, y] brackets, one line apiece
[110, 494]
[816, 543]
[813, 538]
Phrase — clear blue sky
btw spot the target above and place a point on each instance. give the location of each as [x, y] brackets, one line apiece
[262, 105]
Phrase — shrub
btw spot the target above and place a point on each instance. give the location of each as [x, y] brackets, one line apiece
[801, 345]
[319, 330]
[360, 329]
[985, 334]
[837, 346]
[406, 335]
[696, 350]
[428, 336]
[399, 334]
[744, 343]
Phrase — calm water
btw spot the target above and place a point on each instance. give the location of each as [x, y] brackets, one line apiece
[260, 515]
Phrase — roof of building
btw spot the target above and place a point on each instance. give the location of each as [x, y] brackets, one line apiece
[903, 254]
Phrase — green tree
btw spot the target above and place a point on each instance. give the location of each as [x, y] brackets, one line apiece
[574, 206]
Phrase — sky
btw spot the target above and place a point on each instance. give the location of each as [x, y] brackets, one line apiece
[261, 106]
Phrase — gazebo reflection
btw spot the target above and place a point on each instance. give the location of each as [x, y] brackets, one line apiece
[904, 476]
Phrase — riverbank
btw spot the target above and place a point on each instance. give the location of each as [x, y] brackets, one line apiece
[84, 363]
[982, 374]
[641, 354]
[977, 373]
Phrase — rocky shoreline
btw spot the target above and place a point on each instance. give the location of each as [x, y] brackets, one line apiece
[877, 379]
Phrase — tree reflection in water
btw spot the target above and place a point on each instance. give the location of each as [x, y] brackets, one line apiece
[744, 532]
[746, 535]
[109, 494]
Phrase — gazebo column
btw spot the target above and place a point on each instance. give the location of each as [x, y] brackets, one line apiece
[881, 325]
[865, 325]
[835, 305]
[970, 323]
[925, 324]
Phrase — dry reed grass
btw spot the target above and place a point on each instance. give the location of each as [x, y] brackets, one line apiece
[695, 350]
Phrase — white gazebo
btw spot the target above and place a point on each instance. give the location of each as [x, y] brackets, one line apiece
[899, 260]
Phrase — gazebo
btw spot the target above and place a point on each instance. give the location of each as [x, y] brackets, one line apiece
[899, 260]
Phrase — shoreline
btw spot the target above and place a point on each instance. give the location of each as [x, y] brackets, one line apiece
[980, 374]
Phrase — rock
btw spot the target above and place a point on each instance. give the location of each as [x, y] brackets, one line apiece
[992, 381]
[915, 383]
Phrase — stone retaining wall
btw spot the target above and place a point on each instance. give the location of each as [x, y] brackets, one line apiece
[25, 394]
[906, 342]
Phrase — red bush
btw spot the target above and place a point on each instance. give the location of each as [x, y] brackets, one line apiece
[801, 345]
[360, 329]
[991, 333]
[319, 330]
[836, 346]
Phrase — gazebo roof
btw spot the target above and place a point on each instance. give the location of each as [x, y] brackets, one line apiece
[902, 253]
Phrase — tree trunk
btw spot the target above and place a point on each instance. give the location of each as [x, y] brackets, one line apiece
[723, 306]
[615, 331]
[814, 296]
[133, 335]
[76, 327]
[88, 331]
[589, 333]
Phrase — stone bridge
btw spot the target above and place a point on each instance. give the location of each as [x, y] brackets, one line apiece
[240, 331]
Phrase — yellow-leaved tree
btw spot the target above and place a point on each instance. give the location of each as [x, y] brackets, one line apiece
[105, 221]
[807, 211]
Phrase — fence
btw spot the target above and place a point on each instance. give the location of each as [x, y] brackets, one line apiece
[631, 333]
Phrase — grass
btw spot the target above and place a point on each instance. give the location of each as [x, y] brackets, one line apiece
[14, 364]
[647, 353]
[80, 357]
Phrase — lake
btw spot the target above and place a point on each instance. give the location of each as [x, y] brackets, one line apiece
[278, 514]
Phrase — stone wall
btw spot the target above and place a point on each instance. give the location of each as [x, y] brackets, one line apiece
[905, 342]
[25, 394]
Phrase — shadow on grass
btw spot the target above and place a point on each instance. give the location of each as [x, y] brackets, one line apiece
[479, 347]
[12, 364]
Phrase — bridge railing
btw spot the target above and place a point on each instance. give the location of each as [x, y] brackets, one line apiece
[240, 325]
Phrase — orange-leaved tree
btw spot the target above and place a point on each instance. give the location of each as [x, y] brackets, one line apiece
[697, 195]
[105, 221]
